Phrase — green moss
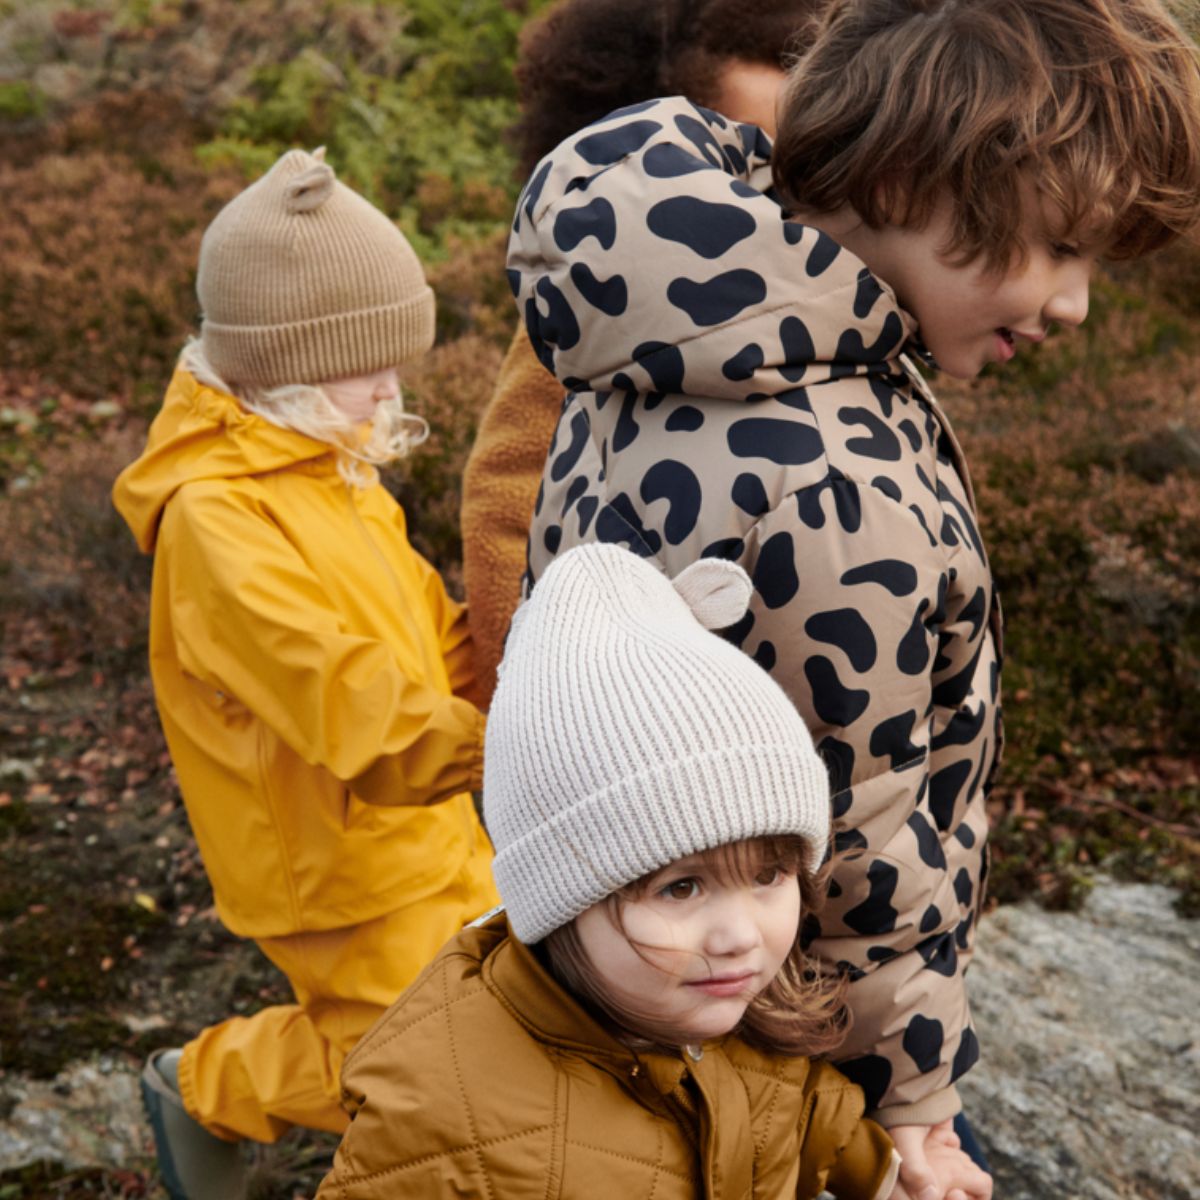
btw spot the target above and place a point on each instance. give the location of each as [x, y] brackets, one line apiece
[20, 100]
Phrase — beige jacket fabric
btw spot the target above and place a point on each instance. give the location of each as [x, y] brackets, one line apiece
[500, 486]
[737, 389]
[487, 1080]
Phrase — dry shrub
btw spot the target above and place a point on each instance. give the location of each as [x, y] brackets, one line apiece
[74, 588]
[99, 249]
[449, 388]
[472, 291]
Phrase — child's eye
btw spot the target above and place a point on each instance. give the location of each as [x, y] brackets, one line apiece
[681, 889]
[1064, 250]
[769, 876]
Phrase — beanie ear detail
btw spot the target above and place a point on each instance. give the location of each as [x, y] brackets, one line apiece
[310, 189]
[716, 590]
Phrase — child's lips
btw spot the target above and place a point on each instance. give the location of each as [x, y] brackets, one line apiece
[731, 984]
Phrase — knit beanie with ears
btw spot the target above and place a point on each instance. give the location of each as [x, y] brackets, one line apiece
[623, 735]
[301, 280]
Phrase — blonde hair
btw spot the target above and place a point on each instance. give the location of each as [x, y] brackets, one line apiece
[900, 102]
[306, 408]
[801, 1012]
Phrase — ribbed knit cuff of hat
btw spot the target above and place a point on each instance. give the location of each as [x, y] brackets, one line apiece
[341, 346]
[580, 855]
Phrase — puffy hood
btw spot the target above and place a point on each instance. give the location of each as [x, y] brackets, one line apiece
[646, 255]
[201, 433]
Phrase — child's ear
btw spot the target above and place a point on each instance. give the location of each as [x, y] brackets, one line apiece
[717, 591]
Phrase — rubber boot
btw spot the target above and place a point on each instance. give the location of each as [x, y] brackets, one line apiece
[194, 1164]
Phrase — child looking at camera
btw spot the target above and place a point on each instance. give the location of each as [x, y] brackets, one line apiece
[311, 672]
[641, 1018]
[738, 325]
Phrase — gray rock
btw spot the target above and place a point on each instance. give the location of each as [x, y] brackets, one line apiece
[1089, 1083]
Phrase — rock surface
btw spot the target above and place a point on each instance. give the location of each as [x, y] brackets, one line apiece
[1089, 1082]
[1089, 1088]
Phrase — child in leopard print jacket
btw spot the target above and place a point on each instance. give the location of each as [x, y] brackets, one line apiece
[736, 327]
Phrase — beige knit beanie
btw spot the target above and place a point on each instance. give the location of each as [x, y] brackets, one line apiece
[301, 280]
[624, 735]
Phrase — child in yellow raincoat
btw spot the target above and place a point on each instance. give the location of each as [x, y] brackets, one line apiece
[309, 667]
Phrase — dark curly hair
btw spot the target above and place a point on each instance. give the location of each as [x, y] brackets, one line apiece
[583, 58]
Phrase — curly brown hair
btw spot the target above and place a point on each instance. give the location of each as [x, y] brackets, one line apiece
[582, 59]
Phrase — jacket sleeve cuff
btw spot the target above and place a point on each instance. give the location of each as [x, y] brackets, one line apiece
[940, 1106]
[884, 1190]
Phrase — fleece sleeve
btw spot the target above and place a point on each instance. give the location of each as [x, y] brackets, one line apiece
[252, 619]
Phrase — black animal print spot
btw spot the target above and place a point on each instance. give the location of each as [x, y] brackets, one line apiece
[701, 137]
[891, 738]
[852, 349]
[966, 1056]
[774, 575]
[533, 190]
[611, 145]
[754, 141]
[618, 522]
[541, 497]
[962, 729]
[687, 418]
[916, 512]
[821, 256]
[881, 442]
[865, 295]
[514, 281]
[668, 161]
[713, 118]
[765, 655]
[808, 506]
[940, 954]
[586, 511]
[735, 158]
[944, 786]
[749, 495]
[833, 702]
[839, 759]
[847, 503]
[850, 842]
[533, 324]
[876, 913]
[552, 538]
[931, 919]
[963, 888]
[872, 1073]
[965, 836]
[911, 432]
[787, 443]
[596, 219]
[578, 487]
[881, 954]
[929, 846]
[708, 229]
[793, 232]
[610, 296]
[889, 487]
[798, 348]
[884, 392]
[962, 935]
[627, 428]
[796, 398]
[730, 548]
[744, 363]
[846, 629]
[677, 484]
[720, 299]
[564, 463]
[975, 611]
[923, 1042]
[899, 578]
[912, 654]
[663, 363]
[951, 692]
[559, 327]
[737, 633]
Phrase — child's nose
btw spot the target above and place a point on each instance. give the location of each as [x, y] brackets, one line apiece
[1069, 303]
[734, 929]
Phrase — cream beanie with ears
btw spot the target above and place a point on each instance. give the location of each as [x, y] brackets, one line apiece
[624, 735]
[301, 280]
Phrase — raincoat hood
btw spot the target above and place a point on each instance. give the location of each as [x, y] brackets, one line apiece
[608, 245]
[202, 434]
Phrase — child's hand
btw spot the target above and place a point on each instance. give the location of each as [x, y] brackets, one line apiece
[934, 1167]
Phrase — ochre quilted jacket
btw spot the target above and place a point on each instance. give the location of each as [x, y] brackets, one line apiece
[737, 388]
[487, 1080]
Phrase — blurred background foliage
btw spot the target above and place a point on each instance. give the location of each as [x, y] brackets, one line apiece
[126, 124]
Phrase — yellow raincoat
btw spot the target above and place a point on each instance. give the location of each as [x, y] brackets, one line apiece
[306, 662]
